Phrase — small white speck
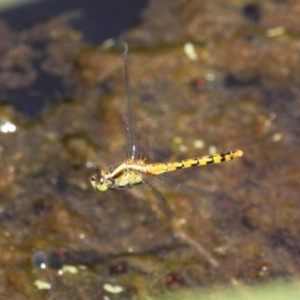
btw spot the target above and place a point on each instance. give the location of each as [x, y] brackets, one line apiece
[182, 148]
[69, 269]
[198, 144]
[210, 77]
[90, 164]
[43, 266]
[190, 51]
[276, 31]
[7, 127]
[277, 137]
[108, 43]
[212, 149]
[129, 249]
[114, 289]
[82, 236]
[42, 285]
[268, 123]
[60, 272]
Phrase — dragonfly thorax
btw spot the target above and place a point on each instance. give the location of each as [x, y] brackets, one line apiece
[123, 176]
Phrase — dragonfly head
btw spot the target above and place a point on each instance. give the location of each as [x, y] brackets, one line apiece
[99, 181]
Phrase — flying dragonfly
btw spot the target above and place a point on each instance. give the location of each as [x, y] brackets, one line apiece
[134, 170]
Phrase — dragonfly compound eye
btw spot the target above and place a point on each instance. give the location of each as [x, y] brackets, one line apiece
[95, 179]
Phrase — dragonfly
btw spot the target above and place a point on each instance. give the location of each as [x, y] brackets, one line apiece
[135, 171]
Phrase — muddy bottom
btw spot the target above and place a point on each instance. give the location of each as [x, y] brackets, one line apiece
[234, 87]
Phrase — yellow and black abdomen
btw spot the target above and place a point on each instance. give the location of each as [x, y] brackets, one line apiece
[160, 168]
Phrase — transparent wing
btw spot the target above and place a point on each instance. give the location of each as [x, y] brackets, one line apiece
[173, 196]
[130, 132]
[155, 126]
